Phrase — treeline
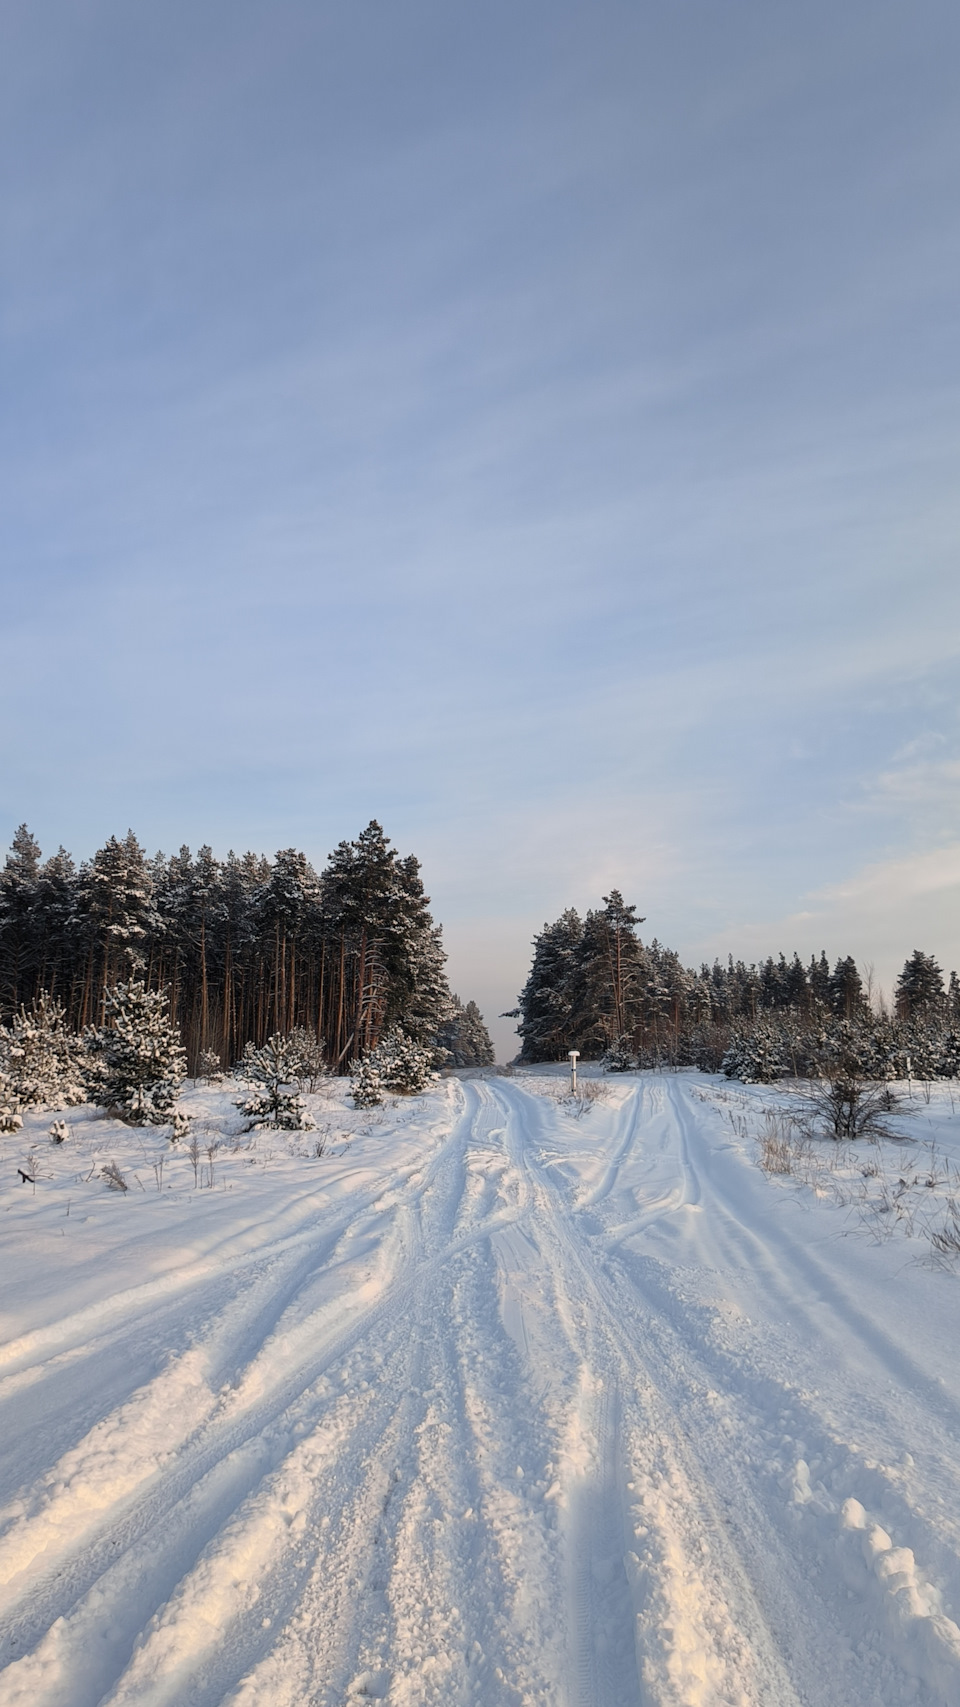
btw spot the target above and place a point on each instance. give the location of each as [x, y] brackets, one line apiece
[595, 986]
[246, 947]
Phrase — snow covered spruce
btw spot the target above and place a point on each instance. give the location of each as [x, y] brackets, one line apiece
[136, 1062]
[273, 1072]
[399, 1064]
[40, 1061]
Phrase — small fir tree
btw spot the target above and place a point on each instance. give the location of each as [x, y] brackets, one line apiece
[308, 1053]
[366, 1086]
[137, 1062]
[757, 1056]
[11, 1119]
[274, 1100]
[399, 1064]
[40, 1057]
[209, 1066]
[405, 1066]
[619, 1058]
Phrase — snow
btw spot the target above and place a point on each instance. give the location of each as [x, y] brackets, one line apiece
[504, 1398]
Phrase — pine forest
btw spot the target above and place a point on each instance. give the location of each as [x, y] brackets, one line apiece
[596, 987]
[243, 948]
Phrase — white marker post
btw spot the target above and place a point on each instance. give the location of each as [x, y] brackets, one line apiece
[574, 1055]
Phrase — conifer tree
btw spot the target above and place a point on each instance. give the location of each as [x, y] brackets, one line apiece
[546, 1001]
[846, 989]
[463, 1037]
[919, 990]
[137, 1062]
[274, 1099]
[39, 1056]
[18, 933]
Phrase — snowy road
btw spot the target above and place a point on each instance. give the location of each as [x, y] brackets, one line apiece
[508, 1406]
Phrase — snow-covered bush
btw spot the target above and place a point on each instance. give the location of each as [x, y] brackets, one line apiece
[366, 1086]
[949, 1064]
[273, 1073]
[405, 1065]
[11, 1119]
[307, 1052]
[619, 1057]
[136, 1062]
[209, 1066]
[399, 1063]
[40, 1057]
[757, 1056]
[59, 1132]
[846, 1107]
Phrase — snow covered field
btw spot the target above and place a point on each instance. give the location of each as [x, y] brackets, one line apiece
[499, 1400]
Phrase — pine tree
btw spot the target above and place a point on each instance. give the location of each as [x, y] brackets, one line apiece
[387, 952]
[546, 1000]
[18, 925]
[117, 894]
[366, 1085]
[463, 1039]
[40, 1057]
[818, 980]
[274, 1100]
[919, 989]
[309, 1057]
[137, 1062]
[757, 1056]
[405, 1066]
[846, 989]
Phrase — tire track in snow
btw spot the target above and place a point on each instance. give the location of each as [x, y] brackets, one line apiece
[697, 1643]
[228, 1438]
[786, 1542]
[514, 1476]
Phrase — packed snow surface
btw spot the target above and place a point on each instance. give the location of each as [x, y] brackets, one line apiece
[501, 1399]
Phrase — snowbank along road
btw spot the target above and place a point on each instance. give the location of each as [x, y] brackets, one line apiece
[506, 1400]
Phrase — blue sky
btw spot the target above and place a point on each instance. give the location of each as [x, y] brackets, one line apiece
[533, 425]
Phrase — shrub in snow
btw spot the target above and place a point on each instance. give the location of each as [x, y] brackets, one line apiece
[209, 1065]
[619, 1057]
[949, 1065]
[757, 1056]
[847, 1108]
[366, 1085]
[405, 1065]
[40, 1057]
[274, 1099]
[399, 1063]
[11, 1119]
[307, 1054]
[136, 1060]
[180, 1127]
[113, 1177]
[59, 1131]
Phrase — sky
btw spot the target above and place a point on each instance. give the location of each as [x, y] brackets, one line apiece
[533, 425]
